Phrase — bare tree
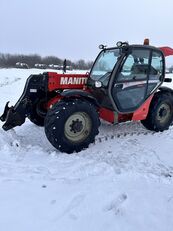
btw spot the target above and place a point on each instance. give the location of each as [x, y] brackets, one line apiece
[9, 61]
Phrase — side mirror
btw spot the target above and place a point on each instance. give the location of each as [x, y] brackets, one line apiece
[167, 80]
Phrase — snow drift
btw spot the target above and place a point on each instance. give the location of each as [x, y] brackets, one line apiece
[123, 182]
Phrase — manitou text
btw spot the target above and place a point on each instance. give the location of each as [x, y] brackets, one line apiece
[73, 80]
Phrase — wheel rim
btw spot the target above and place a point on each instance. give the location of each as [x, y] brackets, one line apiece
[77, 127]
[163, 113]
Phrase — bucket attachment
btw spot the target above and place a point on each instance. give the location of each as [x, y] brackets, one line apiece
[11, 117]
[4, 115]
[35, 88]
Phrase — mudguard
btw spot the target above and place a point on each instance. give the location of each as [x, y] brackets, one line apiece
[80, 93]
[165, 89]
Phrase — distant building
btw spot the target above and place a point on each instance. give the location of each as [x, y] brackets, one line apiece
[51, 66]
[171, 69]
[22, 65]
[167, 71]
[57, 67]
[40, 66]
[69, 68]
[54, 66]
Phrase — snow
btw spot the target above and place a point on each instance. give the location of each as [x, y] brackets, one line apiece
[123, 183]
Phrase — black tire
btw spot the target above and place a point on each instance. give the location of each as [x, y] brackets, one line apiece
[160, 115]
[71, 126]
[37, 115]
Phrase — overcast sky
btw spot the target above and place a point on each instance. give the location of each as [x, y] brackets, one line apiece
[74, 28]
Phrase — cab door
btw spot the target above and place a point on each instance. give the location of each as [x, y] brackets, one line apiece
[131, 84]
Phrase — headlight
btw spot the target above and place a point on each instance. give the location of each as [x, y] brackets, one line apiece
[98, 84]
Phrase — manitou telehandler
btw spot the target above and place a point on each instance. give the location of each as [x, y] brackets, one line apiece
[124, 84]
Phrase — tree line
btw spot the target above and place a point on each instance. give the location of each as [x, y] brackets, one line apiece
[10, 60]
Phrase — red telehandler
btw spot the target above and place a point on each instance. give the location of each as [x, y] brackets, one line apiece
[124, 84]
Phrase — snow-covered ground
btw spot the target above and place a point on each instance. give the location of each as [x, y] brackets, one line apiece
[122, 184]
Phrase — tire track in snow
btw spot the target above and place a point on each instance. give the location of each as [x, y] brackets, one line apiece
[116, 204]
[7, 82]
[113, 152]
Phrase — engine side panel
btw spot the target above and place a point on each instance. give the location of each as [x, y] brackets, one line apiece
[66, 81]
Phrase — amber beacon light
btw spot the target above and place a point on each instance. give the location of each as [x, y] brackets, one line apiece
[146, 41]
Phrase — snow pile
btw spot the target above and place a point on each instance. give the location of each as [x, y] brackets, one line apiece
[118, 184]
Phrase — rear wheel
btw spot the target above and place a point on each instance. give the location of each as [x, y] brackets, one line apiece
[160, 115]
[72, 126]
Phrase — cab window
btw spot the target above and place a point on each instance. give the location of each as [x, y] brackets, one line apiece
[136, 66]
[156, 72]
[156, 66]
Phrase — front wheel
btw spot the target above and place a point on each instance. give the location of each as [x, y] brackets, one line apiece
[160, 115]
[72, 126]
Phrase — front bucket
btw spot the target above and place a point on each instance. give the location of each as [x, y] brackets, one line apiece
[11, 118]
[4, 115]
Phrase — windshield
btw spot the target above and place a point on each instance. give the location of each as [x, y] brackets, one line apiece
[104, 65]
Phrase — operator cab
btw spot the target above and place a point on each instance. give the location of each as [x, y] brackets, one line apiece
[123, 77]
